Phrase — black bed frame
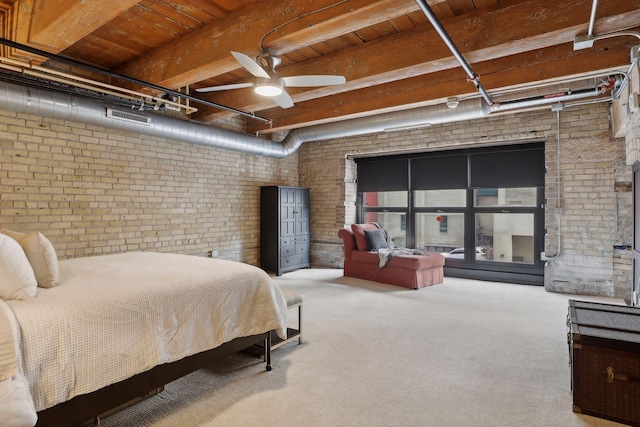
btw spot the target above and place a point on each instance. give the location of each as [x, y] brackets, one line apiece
[88, 407]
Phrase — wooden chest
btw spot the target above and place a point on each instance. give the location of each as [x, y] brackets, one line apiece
[604, 345]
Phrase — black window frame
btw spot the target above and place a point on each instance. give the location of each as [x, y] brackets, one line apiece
[527, 170]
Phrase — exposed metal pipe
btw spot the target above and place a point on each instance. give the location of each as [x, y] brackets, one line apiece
[423, 117]
[623, 85]
[547, 99]
[594, 8]
[473, 77]
[44, 103]
[558, 208]
[65, 107]
[585, 41]
[399, 120]
[111, 74]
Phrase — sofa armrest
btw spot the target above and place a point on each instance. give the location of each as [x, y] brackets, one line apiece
[349, 242]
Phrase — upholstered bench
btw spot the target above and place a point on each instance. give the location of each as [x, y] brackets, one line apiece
[409, 271]
[294, 299]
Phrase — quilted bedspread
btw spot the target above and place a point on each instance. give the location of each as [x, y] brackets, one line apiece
[114, 316]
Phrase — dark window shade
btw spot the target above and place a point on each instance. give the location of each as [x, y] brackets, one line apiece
[382, 175]
[439, 173]
[508, 169]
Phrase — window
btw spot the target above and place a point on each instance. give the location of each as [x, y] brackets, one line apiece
[388, 208]
[440, 198]
[432, 236]
[505, 196]
[482, 208]
[393, 222]
[508, 236]
[385, 199]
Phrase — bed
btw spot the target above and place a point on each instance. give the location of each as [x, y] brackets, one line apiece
[123, 324]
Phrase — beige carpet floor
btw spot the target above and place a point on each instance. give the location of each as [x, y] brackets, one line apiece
[461, 353]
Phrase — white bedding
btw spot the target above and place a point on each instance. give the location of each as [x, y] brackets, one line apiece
[114, 316]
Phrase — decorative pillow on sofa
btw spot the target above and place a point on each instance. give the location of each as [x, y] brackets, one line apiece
[41, 255]
[376, 239]
[358, 232]
[17, 280]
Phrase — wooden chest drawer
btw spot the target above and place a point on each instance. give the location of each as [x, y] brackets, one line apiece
[297, 249]
[286, 251]
[286, 241]
[294, 260]
[301, 240]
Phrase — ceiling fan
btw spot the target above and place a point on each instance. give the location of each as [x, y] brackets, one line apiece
[267, 82]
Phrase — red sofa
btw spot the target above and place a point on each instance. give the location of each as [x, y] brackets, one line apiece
[409, 271]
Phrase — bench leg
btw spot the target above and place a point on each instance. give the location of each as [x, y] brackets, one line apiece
[300, 324]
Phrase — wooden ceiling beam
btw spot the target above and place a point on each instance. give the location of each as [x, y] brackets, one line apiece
[44, 24]
[522, 25]
[328, 24]
[543, 65]
[206, 52]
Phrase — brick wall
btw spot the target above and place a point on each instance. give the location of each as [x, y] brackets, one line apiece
[95, 191]
[594, 195]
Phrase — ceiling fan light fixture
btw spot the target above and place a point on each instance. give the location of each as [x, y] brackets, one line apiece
[268, 89]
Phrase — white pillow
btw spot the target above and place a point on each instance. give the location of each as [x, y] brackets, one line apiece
[17, 280]
[41, 254]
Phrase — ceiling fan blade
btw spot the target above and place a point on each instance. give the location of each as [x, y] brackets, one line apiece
[224, 87]
[313, 80]
[283, 100]
[251, 65]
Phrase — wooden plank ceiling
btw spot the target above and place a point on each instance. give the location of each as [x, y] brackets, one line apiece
[388, 50]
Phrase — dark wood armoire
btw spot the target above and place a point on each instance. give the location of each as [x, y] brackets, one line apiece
[284, 228]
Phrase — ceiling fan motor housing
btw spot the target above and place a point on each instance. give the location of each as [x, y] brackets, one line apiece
[268, 62]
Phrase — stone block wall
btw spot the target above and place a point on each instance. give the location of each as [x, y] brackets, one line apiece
[633, 138]
[96, 191]
[588, 217]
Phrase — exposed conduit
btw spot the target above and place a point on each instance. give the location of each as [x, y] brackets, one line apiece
[65, 107]
[558, 208]
[111, 74]
[592, 20]
[473, 77]
[606, 86]
[586, 41]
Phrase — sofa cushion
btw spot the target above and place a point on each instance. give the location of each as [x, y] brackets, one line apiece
[412, 262]
[376, 239]
[358, 232]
